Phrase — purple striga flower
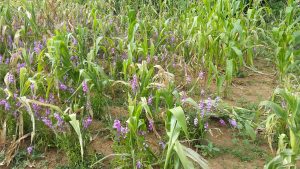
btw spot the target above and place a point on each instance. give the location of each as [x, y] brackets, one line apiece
[18, 104]
[183, 97]
[1, 58]
[3, 102]
[71, 90]
[29, 150]
[84, 86]
[75, 42]
[209, 104]
[20, 65]
[202, 113]
[7, 61]
[87, 122]
[42, 100]
[195, 121]
[47, 113]
[174, 64]
[124, 56]
[62, 86]
[142, 133]
[73, 58]
[32, 86]
[65, 77]
[7, 106]
[36, 108]
[51, 98]
[10, 78]
[201, 75]
[217, 100]
[139, 165]
[150, 125]
[113, 50]
[162, 144]
[44, 39]
[172, 39]
[117, 125]
[47, 122]
[222, 122]
[60, 121]
[188, 79]
[201, 105]
[10, 41]
[15, 114]
[134, 83]
[150, 100]
[124, 131]
[16, 95]
[206, 126]
[148, 59]
[37, 47]
[233, 123]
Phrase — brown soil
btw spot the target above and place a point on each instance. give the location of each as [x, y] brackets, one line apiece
[255, 87]
[222, 137]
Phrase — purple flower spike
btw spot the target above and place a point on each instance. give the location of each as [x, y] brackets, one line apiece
[201, 75]
[32, 87]
[1, 58]
[188, 79]
[87, 122]
[134, 83]
[206, 126]
[222, 122]
[60, 121]
[7, 61]
[162, 144]
[139, 165]
[150, 126]
[37, 47]
[84, 86]
[62, 86]
[10, 78]
[47, 122]
[29, 150]
[150, 99]
[117, 125]
[7, 106]
[124, 131]
[233, 123]
[209, 104]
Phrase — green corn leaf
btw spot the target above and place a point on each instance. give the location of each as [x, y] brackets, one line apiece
[179, 115]
[76, 126]
[186, 163]
[275, 108]
[195, 157]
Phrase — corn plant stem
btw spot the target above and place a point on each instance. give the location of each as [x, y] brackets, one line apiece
[170, 146]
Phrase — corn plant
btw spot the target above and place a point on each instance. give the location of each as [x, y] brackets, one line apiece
[177, 154]
[286, 118]
[284, 37]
